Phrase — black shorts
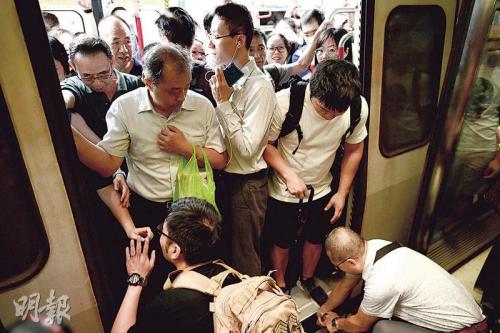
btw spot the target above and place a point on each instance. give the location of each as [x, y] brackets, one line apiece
[282, 221]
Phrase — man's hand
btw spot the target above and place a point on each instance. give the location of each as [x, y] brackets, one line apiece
[337, 202]
[120, 185]
[295, 185]
[328, 319]
[172, 140]
[138, 260]
[140, 234]
[220, 90]
[492, 169]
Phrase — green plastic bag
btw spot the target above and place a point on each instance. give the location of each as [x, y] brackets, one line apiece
[190, 183]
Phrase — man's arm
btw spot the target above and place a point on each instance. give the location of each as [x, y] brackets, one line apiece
[338, 296]
[360, 322]
[294, 183]
[112, 199]
[493, 167]
[69, 99]
[307, 56]
[94, 157]
[138, 262]
[350, 163]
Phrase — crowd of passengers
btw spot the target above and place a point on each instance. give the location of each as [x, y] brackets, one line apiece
[133, 118]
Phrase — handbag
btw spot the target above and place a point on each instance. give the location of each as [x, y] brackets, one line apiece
[191, 183]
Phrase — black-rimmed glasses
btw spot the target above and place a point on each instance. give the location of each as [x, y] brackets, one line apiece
[212, 36]
[100, 76]
[159, 231]
[337, 266]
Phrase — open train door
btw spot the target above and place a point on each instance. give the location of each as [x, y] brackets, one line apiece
[404, 54]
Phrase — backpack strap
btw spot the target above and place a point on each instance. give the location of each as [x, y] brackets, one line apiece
[192, 280]
[355, 117]
[292, 118]
[385, 250]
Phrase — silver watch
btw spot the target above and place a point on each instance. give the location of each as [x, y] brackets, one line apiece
[135, 279]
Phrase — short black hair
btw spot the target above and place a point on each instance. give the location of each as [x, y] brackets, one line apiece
[312, 14]
[50, 20]
[207, 21]
[59, 53]
[336, 35]
[194, 225]
[238, 19]
[335, 83]
[177, 26]
[261, 34]
[88, 45]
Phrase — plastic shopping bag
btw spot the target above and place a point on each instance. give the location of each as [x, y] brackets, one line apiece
[190, 183]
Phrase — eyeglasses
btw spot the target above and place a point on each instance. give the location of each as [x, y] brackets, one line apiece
[212, 36]
[100, 76]
[330, 52]
[280, 49]
[159, 231]
[198, 53]
[337, 266]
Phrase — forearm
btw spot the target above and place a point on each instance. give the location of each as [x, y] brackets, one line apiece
[306, 58]
[349, 166]
[81, 126]
[112, 199]
[94, 157]
[217, 160]
[352, 324]
[275, 161]
[127, 315]
[336, 298]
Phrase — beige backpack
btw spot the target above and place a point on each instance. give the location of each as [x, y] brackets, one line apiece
[254, 305]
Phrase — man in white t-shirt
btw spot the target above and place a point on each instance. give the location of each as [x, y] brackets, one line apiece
[402, 284]
[325, 118]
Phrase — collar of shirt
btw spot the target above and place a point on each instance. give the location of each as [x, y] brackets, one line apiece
[247, 70]
[145, 103]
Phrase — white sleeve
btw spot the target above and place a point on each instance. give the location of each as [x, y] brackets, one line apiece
[214, 138]
[279, 114]
[247, 132]
[116, 141]
[359, 133]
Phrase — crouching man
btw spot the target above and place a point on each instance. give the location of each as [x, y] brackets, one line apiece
[400, 284]
[187, 239]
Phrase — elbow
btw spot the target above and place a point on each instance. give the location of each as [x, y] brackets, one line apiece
[220, 162]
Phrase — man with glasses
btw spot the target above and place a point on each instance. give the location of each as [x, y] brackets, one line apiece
[117, 34]
[399, 283]
[244, 111]
[88, 96]
[324, 120]
[187, 238]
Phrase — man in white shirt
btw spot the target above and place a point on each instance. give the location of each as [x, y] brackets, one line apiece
[325, 119]
[401, 283]
[244, 111]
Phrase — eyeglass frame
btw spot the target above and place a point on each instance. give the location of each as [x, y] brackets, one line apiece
[280, 49]
[159, 231]
[337, 266]
[212, 36]
[100, 77]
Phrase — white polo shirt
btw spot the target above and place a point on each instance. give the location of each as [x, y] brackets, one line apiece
[316, 152]
[410, 286]
[246, 127]
[133, 129]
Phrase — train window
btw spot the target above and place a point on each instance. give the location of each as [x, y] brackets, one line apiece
[69, 20]
[23, 242]
[413, 48]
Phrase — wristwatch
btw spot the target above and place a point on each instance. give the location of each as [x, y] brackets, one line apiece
[135, 279]
[334, 323]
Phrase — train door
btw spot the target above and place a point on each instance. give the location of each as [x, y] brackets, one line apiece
[47, 253]
[405, 51]
[455, 220]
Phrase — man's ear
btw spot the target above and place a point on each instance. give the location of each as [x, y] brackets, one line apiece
[147, 82]
[72, 65]
[176, 251]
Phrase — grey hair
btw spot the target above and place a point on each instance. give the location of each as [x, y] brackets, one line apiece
[343, 243]
[165, 54]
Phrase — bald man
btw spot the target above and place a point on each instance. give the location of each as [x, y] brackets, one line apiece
[116, 32]
[399, 284]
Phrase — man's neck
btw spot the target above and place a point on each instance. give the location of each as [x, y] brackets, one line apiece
[157, 108]
[111, 90]
[127, 68]
[241, 59]
[187, 267]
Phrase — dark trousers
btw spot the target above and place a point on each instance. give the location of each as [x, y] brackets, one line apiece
[244, 209]
[146, 213]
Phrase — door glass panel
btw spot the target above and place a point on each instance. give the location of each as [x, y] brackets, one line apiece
[410, 87]
[476, 162]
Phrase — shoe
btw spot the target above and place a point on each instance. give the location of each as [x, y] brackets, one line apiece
[314, 291]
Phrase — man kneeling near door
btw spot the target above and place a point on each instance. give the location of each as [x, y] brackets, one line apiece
[404, 291]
